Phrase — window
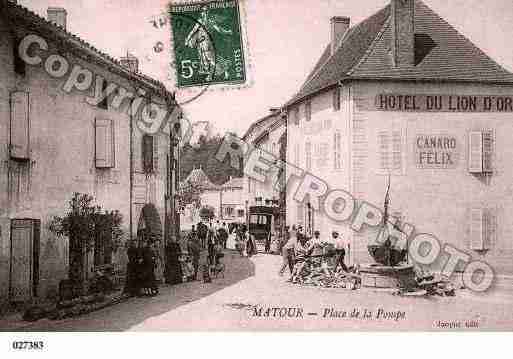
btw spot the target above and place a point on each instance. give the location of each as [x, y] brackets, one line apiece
[296, 115]
[308, 153]
[299, 213]
[308, 111]
[424, 44]
[150, 153]
[240, 213]
[480, 159]
[337, 150]
[228, 211]
[296, 154]
[336, 99]
[391, 151]
[104, 103]
[397, 150]
[19, 64]
[321, 154]
[482, 228]
[104, 143]
[19, 144]
[103, 246]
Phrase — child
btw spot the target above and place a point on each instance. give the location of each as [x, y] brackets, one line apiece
[206, 273]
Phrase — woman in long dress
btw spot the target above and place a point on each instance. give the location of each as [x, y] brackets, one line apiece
[231, 242]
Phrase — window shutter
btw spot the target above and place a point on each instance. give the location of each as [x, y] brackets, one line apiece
[475, 156]
[308, 153]
[384, 150]
[489, 227]
[487, 152]
[155, 153]
[337, 150]
[397, 151]
[336, 99]
[104, 143]
[296, 155]
[476, 229]
[19, 129]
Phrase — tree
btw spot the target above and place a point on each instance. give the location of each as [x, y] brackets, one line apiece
[207, 212]
[85, 224]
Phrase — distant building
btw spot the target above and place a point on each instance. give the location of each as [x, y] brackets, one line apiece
[55, 144]
[404, 94]
[265, 134]
[232, 200]
[268, 134]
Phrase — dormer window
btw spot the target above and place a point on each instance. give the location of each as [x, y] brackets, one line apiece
[424, 44]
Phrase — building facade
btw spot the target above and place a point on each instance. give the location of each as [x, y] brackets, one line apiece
[227, 199]
[57, 143]
[267, 134]
[403, 98]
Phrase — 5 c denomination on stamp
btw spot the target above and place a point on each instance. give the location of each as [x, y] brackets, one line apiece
[207, 43]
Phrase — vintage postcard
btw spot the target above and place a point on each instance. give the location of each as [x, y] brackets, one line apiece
[255, 165]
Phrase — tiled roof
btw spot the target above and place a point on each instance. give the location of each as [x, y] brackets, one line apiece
[364, 54]
[200, 178]
[23, 17]
[350, 51]
[260, 125]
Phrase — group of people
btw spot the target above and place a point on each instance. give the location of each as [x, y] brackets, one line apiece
[300, 248]
[240, 240]
[142, 261]
[213, 237]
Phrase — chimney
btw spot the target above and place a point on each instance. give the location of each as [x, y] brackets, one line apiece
[130, 62]
[339, 27]
[57, 15]
[403, 33]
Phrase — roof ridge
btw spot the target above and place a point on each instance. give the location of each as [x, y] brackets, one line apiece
[317, 67]
[84, 43]
[369, 50]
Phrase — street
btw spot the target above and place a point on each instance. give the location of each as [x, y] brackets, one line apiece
[253, 297]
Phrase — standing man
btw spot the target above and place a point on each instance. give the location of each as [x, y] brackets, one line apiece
[223, 235]
[194, 249]
[302, 250]
[317, 248]
[287, 252]
[211, 241]
[340, 251]
[202, 234]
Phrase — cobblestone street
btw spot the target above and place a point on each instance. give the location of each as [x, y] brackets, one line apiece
[229, 304]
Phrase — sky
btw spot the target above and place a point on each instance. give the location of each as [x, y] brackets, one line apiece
[285, 38]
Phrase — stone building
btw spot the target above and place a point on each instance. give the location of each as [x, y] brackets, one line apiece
[226, 199]
[266, 134]
[57, 140]
[403, 95]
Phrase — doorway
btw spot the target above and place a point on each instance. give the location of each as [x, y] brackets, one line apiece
[24, 259]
